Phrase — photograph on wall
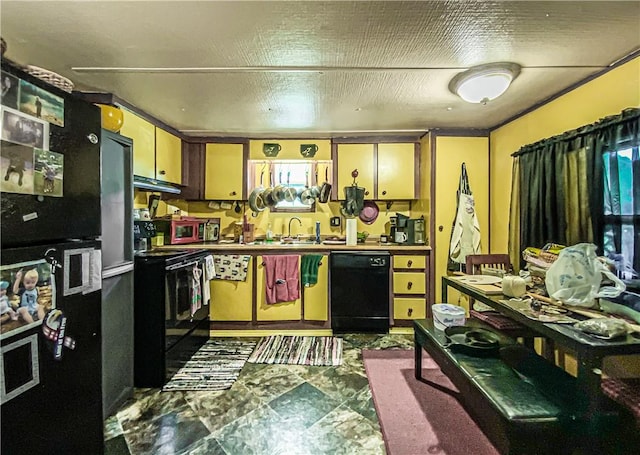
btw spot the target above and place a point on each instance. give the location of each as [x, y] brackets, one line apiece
[27, 293]
[10, 86]
[24, 129]
[41, 104]
[48, 173]
[16, 168]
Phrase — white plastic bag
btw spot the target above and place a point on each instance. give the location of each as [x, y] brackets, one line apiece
[575, 277]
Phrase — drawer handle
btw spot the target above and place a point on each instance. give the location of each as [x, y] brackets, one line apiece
[162, 172]
[233, 193]
[409, 284]
[384, 193]
[366, 193]
[410, 262]
[409, 311]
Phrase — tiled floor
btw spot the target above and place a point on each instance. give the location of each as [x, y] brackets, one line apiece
[270, 409]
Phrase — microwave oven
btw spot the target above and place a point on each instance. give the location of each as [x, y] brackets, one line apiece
[181, 231]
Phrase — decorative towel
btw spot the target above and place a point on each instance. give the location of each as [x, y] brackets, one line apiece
[196, 290]
[309, 267]
[282, 280]
[209, 274]
[231, 267]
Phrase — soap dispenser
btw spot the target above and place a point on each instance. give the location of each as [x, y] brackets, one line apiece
[269, 235]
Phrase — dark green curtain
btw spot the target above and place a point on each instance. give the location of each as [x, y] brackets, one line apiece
[561, 181]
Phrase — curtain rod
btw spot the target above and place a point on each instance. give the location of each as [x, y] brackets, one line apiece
[626, 115]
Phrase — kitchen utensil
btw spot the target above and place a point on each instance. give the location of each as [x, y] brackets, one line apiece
[290, 194]
[472, 340]
[369, 212]
[306, 195]
[256, 202]
[237, 208]
[154, 200]
[279, 190]
[325, 189]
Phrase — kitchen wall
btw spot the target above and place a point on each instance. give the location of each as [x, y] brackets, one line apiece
[606, 95]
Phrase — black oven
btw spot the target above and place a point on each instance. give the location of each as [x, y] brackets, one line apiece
[171, 318]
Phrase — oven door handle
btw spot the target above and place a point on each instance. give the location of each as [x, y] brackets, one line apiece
[182, 265]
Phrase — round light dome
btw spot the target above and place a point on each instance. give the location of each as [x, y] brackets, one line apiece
[485, 82]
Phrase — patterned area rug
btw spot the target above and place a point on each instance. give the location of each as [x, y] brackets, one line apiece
[215, 366]
[298, 350]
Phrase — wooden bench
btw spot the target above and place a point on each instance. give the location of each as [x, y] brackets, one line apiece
[523, 403]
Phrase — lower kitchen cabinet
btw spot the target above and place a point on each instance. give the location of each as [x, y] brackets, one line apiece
[409, 287]
[285, 311]
[232, 300]
[316, 297]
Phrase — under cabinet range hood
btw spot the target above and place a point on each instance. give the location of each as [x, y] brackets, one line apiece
[147, 184]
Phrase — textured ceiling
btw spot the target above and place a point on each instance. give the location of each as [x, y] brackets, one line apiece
[313, 68]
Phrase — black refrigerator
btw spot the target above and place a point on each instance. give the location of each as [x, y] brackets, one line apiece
[50, 271]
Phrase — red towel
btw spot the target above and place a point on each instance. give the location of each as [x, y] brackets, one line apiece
[282, 280]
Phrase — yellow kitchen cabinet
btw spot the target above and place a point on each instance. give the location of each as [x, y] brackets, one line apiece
[224, 171]
[285, 311]
[355, 156]
[409, 308]
[290, 149]
[409, 282]
[143, 135]
[316, 297]
[410, 288]
[396, 171]
[168, 157]
[232, 300]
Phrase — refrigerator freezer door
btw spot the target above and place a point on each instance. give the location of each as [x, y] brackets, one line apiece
[27, 219]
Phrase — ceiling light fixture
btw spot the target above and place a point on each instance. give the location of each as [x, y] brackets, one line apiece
[484, 83]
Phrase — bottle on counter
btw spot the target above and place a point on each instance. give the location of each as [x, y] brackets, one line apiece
[317, 231]
[269, 235]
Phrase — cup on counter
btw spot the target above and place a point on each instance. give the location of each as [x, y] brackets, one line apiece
[401, 237]
[384, 238]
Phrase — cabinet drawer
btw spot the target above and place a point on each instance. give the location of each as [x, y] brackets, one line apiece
[409, 262]
[409, 282]
[410, 308]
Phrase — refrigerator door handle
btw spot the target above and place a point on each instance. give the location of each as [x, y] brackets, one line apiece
[117, 270]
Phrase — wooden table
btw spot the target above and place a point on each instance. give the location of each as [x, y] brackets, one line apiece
[590, 351]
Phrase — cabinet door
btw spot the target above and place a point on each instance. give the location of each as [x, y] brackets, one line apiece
[224, 167]
[409, 282]
[168, 157]
[355, 156]
[396, 171]
[143, 135]
[231, 300]
[285, 311]
[409, 308]
[316, 297]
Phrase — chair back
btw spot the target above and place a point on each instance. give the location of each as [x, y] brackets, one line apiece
[477, 262]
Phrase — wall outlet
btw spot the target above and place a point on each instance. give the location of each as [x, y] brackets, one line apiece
[335, 221]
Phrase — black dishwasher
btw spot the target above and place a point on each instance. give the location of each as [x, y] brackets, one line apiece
[359, 291]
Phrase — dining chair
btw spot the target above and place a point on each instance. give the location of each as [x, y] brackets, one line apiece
[475, 264]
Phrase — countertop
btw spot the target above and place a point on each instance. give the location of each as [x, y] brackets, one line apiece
[257, 247]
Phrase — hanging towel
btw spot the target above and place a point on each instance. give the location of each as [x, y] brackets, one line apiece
[231, 267]
[309, 267]
[282, 280]
[209, 274]
[196, 290]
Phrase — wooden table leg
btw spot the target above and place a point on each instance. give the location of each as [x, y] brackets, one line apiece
[418, 358]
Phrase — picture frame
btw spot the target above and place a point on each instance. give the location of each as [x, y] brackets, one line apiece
[17, 127]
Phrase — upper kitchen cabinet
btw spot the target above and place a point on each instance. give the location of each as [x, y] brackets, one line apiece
[143, 135]
[168, 157]
[355, 156]
[290, 149]
[396, 171]
[157, 154]
[387, 171]
[225, 166]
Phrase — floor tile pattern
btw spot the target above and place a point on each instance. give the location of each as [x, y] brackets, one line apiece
[269, 410]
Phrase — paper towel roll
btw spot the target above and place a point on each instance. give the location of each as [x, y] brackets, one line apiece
[352, 231]
[514, 286]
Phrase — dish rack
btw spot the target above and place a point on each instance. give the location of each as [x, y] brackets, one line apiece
[49, 76]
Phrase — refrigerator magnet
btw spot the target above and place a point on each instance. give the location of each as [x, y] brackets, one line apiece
[48, 173]
[53, 329]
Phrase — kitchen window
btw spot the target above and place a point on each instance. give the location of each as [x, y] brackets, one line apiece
[622, 210]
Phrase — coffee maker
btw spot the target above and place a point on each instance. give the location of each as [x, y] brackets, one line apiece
[416, 231]
[398, 230]
[143, 230]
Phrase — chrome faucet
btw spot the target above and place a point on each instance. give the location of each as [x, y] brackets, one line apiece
[294, 218]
